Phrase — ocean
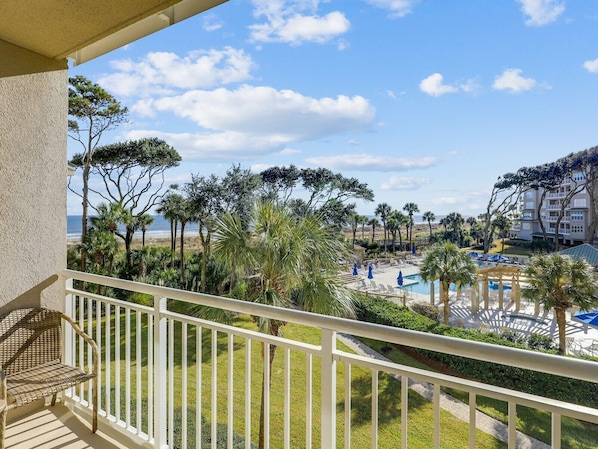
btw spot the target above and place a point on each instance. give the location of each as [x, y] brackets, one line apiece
[159, 228]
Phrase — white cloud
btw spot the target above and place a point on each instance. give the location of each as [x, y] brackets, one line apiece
[210, 22]
[512, 80]
[289, 152]
[253, 121]
[541, 12]
[371, 162]
[296, 22]
[258, 168]
[591, 66]
[397, 8]
[433, 85]
[162, 72]
[403, 183]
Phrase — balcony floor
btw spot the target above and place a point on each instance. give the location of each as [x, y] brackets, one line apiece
[53, 428]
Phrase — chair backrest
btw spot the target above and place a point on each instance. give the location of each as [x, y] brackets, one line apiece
[28, 338]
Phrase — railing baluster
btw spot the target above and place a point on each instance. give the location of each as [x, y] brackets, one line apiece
[198, 383]
[266, 394]
[128, 367]
[287, 398]
[184, 403]
[117, 340]
[108, 358]
[328, 389]
[248, 393]
[472, 420]
[231, 353]
[309, 401]
[139, 408]
[436, 416]
[170, 357]
[150, 375]
[512, 425]
[347, 406]
[160, 382]
[375, 374]
[555, 437]
[404, 409]
[214, 404]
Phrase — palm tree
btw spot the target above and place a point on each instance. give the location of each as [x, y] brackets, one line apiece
[559, 282]
[363, 220]
[296, 262]
[354, 224]
[383, 211]
[373, 222]
[168, 208]
[429, 217]
[145, 221]
[410, 208]
[451, 266]
[185, 214]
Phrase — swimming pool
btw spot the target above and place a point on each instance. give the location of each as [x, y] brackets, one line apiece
[421, 286]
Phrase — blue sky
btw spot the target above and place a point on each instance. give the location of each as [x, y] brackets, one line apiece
[426, 101]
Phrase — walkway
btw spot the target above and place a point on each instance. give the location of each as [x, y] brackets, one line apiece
[460, 410]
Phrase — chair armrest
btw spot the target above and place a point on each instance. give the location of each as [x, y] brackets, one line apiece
[88, 340]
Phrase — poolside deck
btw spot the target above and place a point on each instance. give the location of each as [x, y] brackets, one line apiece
[582, 339]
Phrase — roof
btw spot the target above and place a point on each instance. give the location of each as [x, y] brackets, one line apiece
[584, 251]
[81, 30]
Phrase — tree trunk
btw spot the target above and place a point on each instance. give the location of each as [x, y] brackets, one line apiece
[270, 361]
[183, 252]
[561, 321]
[445, 300]
[85, 204]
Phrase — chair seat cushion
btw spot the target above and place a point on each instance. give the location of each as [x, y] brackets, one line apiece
[42, 381]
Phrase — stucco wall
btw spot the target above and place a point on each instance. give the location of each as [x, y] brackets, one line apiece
[33, 137]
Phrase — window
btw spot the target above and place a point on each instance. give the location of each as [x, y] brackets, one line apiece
[577, 177]
[577, 229]
[579, 202]
[529, 204]
[576, 215]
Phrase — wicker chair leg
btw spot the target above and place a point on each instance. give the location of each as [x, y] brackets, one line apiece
[3, 410]
[95, 399]
[53, 403]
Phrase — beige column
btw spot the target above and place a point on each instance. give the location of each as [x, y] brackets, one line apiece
[485, 292]
[432, 293]
[475, 297]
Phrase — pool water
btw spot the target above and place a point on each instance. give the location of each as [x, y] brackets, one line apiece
[421, 286]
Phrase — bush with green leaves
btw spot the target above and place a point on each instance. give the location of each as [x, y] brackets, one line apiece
[380, 311]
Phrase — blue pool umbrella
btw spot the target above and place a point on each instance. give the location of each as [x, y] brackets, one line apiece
[400, 278]
[370, 273]
[590, 318]
[355, 272]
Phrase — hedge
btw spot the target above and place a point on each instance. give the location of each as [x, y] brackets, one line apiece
[380, 311]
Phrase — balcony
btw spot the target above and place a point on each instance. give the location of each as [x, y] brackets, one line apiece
[169, 379]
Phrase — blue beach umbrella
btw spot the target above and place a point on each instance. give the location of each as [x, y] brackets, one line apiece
[400, 278]
[355, 272]
[590, 318]
[370, 273]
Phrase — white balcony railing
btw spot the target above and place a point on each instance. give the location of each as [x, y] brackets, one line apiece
[164, 373]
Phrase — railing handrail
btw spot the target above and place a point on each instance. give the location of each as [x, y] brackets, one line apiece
[520, 358]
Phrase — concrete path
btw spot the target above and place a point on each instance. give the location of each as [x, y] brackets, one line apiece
[460, 410]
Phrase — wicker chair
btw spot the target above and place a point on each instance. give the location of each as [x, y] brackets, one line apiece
[31, 360]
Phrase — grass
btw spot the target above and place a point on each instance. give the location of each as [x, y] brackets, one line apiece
[389, 390]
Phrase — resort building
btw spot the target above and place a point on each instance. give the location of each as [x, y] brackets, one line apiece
[166, 380]
[540, 205]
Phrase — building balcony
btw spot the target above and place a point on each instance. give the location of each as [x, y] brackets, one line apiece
[169, 380]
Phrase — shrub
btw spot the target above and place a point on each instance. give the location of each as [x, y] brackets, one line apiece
[380, 311]
[427, 310]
